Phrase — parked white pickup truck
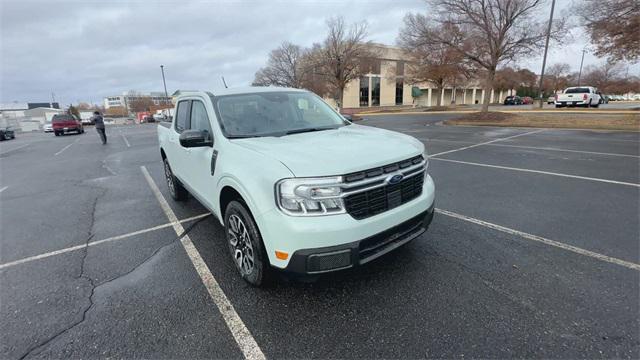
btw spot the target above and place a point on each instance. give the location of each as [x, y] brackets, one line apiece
[587, 96]
[296, 186]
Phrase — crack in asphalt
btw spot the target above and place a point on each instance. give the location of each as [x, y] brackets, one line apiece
[94, 286]
[81, 275]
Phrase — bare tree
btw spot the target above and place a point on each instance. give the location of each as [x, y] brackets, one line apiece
[435, 63]
[339, 57]
[284, 67]
[507, 78]
[141, 103]
[606, 77]
[557, 76]
[613, 26]
[486, 33]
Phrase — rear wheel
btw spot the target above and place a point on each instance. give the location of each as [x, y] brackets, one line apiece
[246, 246]
[177, 191]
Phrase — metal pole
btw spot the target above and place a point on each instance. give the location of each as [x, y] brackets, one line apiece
[165, 83]
[546, 47]
[581, 61]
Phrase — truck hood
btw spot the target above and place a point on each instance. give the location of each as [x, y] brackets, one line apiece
[336, 152]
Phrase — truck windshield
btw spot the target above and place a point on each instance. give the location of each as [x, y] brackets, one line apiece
[577, 91]
[275, 114]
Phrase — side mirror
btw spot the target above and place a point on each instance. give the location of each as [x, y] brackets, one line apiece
[195, 138]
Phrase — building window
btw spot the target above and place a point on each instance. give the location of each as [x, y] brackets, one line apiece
[370, 65]
[399, 91]
[364, 91]
[375, 90]
[400, 68]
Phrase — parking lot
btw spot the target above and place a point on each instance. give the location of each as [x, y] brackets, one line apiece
[533, 252]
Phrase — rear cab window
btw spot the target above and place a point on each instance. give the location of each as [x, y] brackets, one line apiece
[577, 91]
[62, 118]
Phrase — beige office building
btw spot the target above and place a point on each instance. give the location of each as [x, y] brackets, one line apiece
[385, 86]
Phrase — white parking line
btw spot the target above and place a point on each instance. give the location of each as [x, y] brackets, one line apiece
[545, 241]
[486, 142]
[3, 189]
[565, 150]
[94, 243]
[241, 334]
[14, 149]
[65, 148]
[125, 140]
[541, 172]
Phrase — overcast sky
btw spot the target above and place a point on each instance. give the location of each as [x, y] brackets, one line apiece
[84, 50]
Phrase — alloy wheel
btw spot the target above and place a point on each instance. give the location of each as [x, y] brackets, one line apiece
[169, 176]
[241, 246]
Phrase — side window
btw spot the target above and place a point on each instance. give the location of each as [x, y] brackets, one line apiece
[182, 116]
[199, 118]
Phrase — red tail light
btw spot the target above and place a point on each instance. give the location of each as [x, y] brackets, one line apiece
[584, 97]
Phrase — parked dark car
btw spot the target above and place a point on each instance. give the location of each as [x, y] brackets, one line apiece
[513, 100]
[149, 119]
[7, 133]
[66, 123]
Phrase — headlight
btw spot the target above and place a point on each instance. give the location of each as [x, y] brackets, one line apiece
[310, 196]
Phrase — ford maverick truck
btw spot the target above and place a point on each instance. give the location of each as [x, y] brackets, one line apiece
[295, 185]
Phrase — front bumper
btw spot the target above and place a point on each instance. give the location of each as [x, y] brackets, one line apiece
[340, 257]
[314, 234]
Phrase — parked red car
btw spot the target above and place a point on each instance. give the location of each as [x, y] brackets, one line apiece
[65, 123]
[527, 100]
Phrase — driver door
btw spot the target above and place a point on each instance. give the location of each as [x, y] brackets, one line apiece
[198, 162]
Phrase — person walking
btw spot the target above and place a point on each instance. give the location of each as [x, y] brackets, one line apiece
[99, 121]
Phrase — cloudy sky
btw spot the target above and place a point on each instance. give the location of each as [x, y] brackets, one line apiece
[83, 50]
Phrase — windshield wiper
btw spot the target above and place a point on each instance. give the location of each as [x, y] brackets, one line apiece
[241, 136]
[298, 131]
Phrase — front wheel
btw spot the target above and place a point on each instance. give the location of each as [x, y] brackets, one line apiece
[177, 191]
[246, 246]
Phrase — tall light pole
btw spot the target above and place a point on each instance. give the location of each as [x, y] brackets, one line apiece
[581, 62]
[546, 47]
[166, 95]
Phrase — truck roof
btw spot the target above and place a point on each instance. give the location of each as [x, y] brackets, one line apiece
[242, 90]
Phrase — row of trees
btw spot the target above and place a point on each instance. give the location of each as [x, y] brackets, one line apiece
[610, 77]
[324, 68]
[462, 39]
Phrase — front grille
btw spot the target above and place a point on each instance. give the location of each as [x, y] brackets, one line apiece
[366, 174]
[379, 199]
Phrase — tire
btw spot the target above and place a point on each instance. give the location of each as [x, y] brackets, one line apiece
[177, 191]
[558, 106]
[245, 245]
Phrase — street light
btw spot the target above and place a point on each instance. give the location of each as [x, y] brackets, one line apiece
[546, 47]
[166, 95]
[584, 50]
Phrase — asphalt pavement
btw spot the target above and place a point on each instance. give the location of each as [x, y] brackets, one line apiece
[533, 253]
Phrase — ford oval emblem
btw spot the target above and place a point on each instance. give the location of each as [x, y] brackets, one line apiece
[395, 179]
